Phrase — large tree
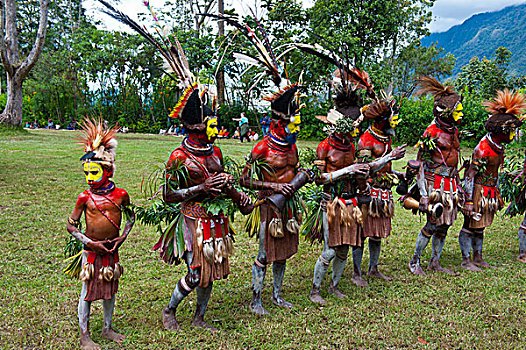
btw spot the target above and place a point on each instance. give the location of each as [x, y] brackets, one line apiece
[15, 66]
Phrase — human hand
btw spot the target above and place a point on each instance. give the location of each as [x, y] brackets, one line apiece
[117, 242]
[359, 169]
[284, 189]
[398, 152]
[214, 184]
[99, 247]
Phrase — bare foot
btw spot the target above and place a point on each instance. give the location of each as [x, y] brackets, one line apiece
[477, 260]
[258, 309]
[335, 291]
[281, 303]
[415, 268]
[359, 281]
[169, 321]
[377, 274]
[87, 344]
[110, 334]
[199, 322]
[522, 258]
[468, 265]
[435, 266]
[316, 298]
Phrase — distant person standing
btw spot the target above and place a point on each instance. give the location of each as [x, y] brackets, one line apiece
[243, 127]
[265, 123]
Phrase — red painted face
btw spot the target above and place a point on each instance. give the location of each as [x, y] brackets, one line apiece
[278, 128]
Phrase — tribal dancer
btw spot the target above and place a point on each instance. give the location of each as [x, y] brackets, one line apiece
[278, 231]
[275, 160]
[207, 238]
[374, 144]
[102, 205]
[340, 209]
[437, 178]
[483, 198]
[194, 177]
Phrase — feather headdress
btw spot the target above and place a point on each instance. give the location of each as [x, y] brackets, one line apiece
[99, 143]
[347, 78]
[506, 102]
[190, 108]
[505, 110]
[285, 102]
[445, 97]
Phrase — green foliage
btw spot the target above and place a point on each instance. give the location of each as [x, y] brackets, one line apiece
[512, 184]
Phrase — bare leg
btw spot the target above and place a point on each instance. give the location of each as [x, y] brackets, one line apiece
[375, 246]
[338, 266]
[259, 270]
[522, 242]
[437, 246]
[83, 311]
[107, 332]
[478, 241]
[203, 296]
[322, 265]
[357, 255]
[184, 286]
[278, 271]
[421, 243]
[465, 241]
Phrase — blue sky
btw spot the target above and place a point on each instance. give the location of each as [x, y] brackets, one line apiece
[446, 13]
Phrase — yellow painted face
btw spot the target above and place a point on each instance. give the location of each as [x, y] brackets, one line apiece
[394, 120]
[93, 172]
[512, 134]
[457, 113]
[294, 125]
[211, 128]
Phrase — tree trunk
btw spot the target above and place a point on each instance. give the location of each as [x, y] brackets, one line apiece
[220, 78]
[12, 114]
[16, 68]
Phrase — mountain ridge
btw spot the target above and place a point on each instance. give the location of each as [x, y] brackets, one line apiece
[481, 34]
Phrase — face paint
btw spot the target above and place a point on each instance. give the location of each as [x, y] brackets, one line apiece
[512, 134]
[294, 125]
[394, 121]
[93, 172]
[457, 113]
[211, 129]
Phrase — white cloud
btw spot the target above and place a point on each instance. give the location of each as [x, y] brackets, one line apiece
[448, 13]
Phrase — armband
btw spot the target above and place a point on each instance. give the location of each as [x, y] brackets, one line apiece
[75, 223]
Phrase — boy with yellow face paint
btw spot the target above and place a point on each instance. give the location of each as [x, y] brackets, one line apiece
[102, 205]
[483, 198]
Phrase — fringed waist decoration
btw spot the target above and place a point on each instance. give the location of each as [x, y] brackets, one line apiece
[214, 238]
[106, 272]
[382, 194]
[193, 210]
[488, 191]
[382, 203]
[445, 183]
[291, 214]
[347, 215]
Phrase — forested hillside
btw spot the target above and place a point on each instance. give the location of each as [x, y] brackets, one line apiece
[482, 34]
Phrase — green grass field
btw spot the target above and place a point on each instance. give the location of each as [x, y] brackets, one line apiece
[41, 176]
